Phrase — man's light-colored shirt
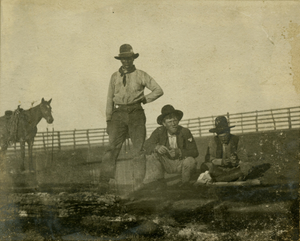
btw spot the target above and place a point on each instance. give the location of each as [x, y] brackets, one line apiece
[172, 141]
[132, 92]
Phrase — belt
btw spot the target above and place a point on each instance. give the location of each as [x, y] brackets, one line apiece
[128, 107]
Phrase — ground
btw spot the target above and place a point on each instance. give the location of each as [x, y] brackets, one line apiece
[64, 200]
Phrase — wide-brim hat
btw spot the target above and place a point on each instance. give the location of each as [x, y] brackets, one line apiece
[167, 110]
[221, 125]
[126, 51]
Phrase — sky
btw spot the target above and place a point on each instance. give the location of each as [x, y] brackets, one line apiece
[210, 57]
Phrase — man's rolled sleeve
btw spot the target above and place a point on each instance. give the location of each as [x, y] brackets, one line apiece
[156, 90]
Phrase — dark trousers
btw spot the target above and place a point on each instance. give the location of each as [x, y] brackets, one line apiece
[220, 174]
[126, 121]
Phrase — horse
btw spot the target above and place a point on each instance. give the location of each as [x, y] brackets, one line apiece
[21, 126]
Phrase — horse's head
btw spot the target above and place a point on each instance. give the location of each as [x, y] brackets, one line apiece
[46, 110]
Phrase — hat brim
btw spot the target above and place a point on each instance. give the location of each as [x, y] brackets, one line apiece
[178, 113]
[126, 56]
[220, 130]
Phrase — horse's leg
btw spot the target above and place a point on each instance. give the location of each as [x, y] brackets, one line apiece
[30, 146]
[22, 144]
[3, 149]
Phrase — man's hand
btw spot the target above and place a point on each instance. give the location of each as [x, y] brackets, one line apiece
[161, 149]
[172, 153]
[234, 160]
[231, 161]
[176, 152]
[226, 162]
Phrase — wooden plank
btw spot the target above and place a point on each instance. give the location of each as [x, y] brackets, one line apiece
[252, 182]
[260, 115]
[261, 111]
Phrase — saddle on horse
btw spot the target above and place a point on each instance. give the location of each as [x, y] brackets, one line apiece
[12, 124]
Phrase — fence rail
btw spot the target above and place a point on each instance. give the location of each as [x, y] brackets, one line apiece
[255, 121]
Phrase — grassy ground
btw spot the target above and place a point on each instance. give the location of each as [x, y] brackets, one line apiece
[82, 166]
[268, 212]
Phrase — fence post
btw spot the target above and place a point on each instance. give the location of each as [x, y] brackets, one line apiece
[47, 145]
[199, 122]
[52, 138]
[256, 121]
[52, 146]
[47, 160]
[15, 148]
[213, 122]
[103, 135]
[88, 138]
[58, 139]
[289, 118]
[44, 144]
[74, 140]
[242, 125]
[273, 119]
[228, 118]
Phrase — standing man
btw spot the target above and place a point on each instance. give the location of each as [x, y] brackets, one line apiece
[124, 113]
[171, 148]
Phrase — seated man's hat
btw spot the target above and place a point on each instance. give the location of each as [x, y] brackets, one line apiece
[221, 124]
[167, 110]
[126, 51]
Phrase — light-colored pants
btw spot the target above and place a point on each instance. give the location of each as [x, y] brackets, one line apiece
[157, 165]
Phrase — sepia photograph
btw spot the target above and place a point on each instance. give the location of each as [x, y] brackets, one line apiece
[149, 120]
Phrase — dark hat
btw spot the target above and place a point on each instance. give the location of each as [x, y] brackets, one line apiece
[167, 110]
[221, 124]
[126, 51]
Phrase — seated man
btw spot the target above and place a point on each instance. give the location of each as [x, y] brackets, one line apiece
[171, 148]
[226, 158]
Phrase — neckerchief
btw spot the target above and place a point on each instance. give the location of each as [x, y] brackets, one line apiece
[124, 72]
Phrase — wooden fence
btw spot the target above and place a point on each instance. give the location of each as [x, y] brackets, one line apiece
[255, 121]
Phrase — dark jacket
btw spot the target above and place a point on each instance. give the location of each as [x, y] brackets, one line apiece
[235, 147]
[185, 141]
